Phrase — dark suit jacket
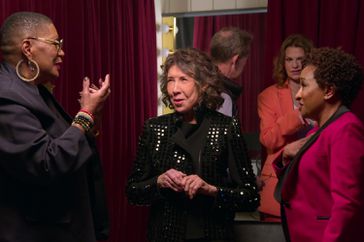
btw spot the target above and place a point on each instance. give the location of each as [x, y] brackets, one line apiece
[220, 159]
[49, 171]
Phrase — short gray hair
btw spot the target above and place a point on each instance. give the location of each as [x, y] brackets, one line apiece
[17, 26]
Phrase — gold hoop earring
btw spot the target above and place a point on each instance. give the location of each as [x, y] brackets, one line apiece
[33, 66]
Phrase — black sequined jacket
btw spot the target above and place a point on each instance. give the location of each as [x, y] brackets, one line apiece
[222, 161]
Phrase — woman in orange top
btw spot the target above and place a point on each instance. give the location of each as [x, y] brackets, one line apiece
[280, 119]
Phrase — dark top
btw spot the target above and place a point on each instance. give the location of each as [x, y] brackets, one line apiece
[51, 187]
[195, 223]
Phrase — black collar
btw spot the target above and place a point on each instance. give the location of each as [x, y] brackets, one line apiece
[232, 88]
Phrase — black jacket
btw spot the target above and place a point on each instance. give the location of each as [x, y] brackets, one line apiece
[51, 187]
[222, 161]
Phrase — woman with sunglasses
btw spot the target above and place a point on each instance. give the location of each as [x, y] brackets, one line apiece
[50, 179]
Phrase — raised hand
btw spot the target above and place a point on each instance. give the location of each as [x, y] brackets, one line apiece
[92, 97]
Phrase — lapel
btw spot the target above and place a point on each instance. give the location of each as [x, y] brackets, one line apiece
[290, 172]
[179, 139]
[47, 95]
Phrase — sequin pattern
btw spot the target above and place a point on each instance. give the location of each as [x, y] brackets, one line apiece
[234, 178]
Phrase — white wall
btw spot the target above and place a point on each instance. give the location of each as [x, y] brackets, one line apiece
[173, 7]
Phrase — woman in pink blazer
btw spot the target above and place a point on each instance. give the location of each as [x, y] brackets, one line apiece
[321, 186]
[280, 119]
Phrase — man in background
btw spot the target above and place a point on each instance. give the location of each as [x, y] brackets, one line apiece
[229, 49]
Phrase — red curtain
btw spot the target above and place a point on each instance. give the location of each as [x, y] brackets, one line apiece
[330, 23]
[252, 77]
[116, 37]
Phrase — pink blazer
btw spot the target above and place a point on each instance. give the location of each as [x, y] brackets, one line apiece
[324, 191]
[279, 124]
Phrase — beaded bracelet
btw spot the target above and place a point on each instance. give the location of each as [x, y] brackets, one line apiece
[85, 115]
[85, 124]
[87, 112]
[85, 121]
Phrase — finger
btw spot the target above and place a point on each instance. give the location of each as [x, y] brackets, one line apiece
[194, 186]
[91, 90]
[165, 181]
[183, 181]
[175, 175]
[106, 94]
[170, 176]
[85, 84]
[106, 83]
[104, 90]
[177, 182]
[107, 77]
[187, 183]
[93, 86]
[171, 184]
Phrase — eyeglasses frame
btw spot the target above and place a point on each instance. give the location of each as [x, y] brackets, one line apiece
[55, 42]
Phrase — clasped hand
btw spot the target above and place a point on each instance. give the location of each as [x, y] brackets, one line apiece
[190, 184]
[292, 149]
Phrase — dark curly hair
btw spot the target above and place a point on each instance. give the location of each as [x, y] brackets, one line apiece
[336, 68]
[295, 40]
[197, 65]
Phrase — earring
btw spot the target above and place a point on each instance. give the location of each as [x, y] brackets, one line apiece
[32, 65]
